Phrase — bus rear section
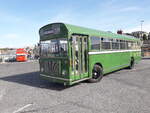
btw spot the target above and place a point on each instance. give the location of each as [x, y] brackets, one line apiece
[21, 55]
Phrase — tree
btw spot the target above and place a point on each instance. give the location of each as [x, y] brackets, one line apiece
[149, 36]
[145, 37]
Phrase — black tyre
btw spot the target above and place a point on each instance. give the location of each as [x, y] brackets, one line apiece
[132, 63]
[97, 74]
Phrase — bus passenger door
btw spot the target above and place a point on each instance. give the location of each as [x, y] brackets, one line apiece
[79, 53]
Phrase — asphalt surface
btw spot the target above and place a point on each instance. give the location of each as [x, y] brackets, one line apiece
[124, 91]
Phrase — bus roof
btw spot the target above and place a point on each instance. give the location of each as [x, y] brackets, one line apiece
[73, 29]
[93, 32]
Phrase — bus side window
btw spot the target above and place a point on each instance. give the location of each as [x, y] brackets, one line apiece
[126, 44]
[129, 45]
[106, 43]
[132, 45]
[122, 44]
[95, 43]
[139, 45]
[135, 45]
[115, 44]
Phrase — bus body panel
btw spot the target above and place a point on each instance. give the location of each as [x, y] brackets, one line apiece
[21, 58]
[21, 55]
[113, 61]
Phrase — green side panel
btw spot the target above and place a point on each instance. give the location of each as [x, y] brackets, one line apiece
[113, 61]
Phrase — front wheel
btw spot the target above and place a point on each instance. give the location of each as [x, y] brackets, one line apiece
[97, 74]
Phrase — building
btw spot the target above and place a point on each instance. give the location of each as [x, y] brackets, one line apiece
[7, 51]
[7, 54]
[140, 34]
[146, 48]
[145, 37]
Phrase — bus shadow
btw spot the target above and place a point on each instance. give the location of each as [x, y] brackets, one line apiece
[33, 79]
[116, 71]
[146, 58]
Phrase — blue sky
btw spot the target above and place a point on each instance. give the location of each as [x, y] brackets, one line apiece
[20, 20]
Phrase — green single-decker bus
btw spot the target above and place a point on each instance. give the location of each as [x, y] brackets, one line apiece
[70, 54]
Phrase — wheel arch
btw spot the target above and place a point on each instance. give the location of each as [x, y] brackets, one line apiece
[93, 80]
[98, 63]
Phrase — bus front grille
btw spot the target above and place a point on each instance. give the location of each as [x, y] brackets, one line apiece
[51, 67]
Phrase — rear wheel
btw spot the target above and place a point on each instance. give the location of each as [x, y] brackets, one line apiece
[132, 63]
[97, 74]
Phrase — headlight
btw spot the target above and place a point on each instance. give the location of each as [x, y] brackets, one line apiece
[64, 72]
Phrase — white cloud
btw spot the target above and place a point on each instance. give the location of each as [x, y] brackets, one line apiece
[8, 40]
[131, 8]
[63, 16]
[10, 36]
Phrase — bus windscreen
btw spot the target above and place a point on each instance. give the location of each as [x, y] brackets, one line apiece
[53, 48]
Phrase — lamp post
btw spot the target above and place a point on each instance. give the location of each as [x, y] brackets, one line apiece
[142, 21]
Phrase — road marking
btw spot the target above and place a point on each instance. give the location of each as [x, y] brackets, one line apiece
[22, 108]
[2, 94]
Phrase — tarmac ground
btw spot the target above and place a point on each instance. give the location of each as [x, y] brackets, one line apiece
[123, 91]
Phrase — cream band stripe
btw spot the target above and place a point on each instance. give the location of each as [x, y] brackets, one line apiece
[103, 52]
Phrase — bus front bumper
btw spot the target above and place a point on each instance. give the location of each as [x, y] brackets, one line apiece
[64, 81]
